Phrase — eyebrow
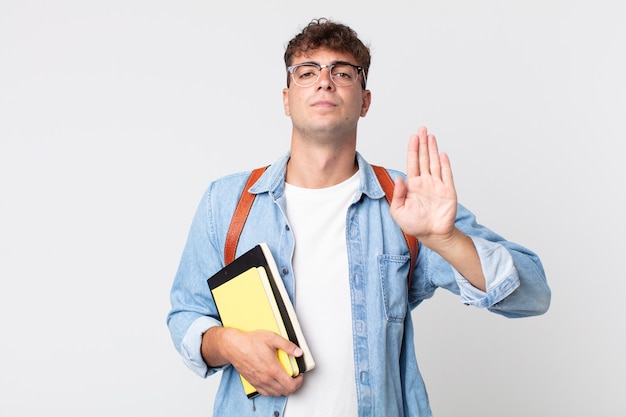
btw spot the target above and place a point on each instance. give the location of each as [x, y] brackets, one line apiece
[317, 63]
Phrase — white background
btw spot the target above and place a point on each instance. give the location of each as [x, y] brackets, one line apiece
[115, 115]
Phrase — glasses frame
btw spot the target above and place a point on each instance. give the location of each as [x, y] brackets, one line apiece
[359, 71]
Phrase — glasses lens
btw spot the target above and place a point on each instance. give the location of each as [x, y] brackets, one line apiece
[344, 75]
[306, 75]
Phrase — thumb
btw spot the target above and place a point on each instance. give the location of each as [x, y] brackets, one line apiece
[399, 194]
[291, 348]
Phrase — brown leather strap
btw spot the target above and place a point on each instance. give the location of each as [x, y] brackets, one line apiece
[387, 183]
[240, 216]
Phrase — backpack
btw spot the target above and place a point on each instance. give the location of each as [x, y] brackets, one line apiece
[245, 204]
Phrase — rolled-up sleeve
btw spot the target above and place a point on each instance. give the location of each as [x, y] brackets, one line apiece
[516, 284]
[190, 347]
[501, 277]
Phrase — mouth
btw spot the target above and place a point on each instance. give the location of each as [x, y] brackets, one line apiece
[323, 104]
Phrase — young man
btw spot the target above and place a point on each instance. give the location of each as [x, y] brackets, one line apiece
[342, 255]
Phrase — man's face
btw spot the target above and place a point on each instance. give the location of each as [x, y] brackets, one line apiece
[324, 107]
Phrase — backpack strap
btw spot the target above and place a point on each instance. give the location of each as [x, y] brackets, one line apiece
[247, 198]
[387, 184]
[240, 216]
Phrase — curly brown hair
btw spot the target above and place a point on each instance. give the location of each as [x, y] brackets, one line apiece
[324, 33]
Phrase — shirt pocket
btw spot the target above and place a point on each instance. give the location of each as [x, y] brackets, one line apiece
[394, 271]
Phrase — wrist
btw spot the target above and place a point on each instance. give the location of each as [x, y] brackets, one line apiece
[213, 347]
[443, 243]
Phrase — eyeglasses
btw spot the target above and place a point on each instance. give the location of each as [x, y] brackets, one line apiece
[343, 74]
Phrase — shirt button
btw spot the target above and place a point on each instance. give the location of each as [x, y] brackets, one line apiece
[276, 413]
[285, 271]
[364, 377]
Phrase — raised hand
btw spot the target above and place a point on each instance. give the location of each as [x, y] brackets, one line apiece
[425, 206]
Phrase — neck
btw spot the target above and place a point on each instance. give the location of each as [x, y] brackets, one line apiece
[320, 167]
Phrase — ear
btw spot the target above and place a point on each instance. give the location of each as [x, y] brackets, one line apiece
[367, 100]
[286, 101]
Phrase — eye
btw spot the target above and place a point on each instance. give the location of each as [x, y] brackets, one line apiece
[305, 72]
[344, 71]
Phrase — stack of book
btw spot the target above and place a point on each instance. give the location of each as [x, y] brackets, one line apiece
[250, 295]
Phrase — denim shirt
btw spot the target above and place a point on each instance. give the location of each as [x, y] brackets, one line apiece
[388, 381]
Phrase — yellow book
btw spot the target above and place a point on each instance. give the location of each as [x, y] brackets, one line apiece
[250, 295]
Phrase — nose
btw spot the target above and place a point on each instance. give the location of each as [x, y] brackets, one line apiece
[325, 81]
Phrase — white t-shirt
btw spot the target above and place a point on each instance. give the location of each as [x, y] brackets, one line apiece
[322, 298]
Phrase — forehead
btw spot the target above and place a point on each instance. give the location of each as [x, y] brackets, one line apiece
[323, 56]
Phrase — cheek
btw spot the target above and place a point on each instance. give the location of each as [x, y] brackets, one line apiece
[295, 105]
[356, 107]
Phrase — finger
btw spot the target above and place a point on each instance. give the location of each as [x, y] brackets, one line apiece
[399, 193]
[289, 384]
[283, 382]
[274, 385]
[433, 154]
[422, 151]
[286, 388]
[280, 342]
[446, 169]
[412, 167]
[266, 377]
[271, 379]
[262, 368]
